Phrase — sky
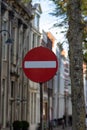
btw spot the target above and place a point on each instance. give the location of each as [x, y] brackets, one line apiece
[47, 21]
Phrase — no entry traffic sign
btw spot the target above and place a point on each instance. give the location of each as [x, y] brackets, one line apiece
[40, 64]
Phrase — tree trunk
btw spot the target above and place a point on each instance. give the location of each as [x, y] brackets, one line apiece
[76, 64]
[0, 62]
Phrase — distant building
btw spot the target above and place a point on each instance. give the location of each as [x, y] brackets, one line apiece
[47, 86]
[62, 86]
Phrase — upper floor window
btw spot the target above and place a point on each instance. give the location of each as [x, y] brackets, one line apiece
[33, 40]
[4, 38]
[36, 21]
[12, 88]
[38, 40]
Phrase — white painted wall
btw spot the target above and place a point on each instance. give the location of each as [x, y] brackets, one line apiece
[59, 88]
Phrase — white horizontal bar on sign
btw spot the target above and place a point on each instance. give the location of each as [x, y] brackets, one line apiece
[40, 64]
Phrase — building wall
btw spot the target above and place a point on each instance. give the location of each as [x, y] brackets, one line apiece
[48, 86]
[18, 94]
[35, 87]
[61, 101]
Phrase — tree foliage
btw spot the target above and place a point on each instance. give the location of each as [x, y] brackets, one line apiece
[25, 1]
[61, 6]
[61, 10]
[75, 11]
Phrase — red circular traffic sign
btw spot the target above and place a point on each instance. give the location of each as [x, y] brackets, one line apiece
[40, 64]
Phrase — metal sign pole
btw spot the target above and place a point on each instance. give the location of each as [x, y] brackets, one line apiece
[41, 107]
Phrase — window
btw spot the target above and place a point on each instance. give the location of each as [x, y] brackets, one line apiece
[21, 46]
[27, 41]
[3, 101]
[12, 89]
[13, 47]
[33, 40]
[33, 108]
[36, 21]
[38, 40]
[4, 38]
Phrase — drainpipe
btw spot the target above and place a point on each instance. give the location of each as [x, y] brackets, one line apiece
[59, 61]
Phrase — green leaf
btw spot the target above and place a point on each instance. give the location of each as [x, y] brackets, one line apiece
[25, 1]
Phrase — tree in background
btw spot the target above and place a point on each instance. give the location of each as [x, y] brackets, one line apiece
[25, 1]
[74, 12]
[75, 38]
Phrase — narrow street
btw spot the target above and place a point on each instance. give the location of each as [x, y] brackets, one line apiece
[42, 72]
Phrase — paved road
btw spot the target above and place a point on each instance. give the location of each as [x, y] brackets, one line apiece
[66, 128]
[60, 128]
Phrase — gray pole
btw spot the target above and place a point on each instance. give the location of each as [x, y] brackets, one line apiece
[0, 60]
[41, 107]
[48, 108]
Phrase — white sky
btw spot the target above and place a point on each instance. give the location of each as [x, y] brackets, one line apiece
[47, 20]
